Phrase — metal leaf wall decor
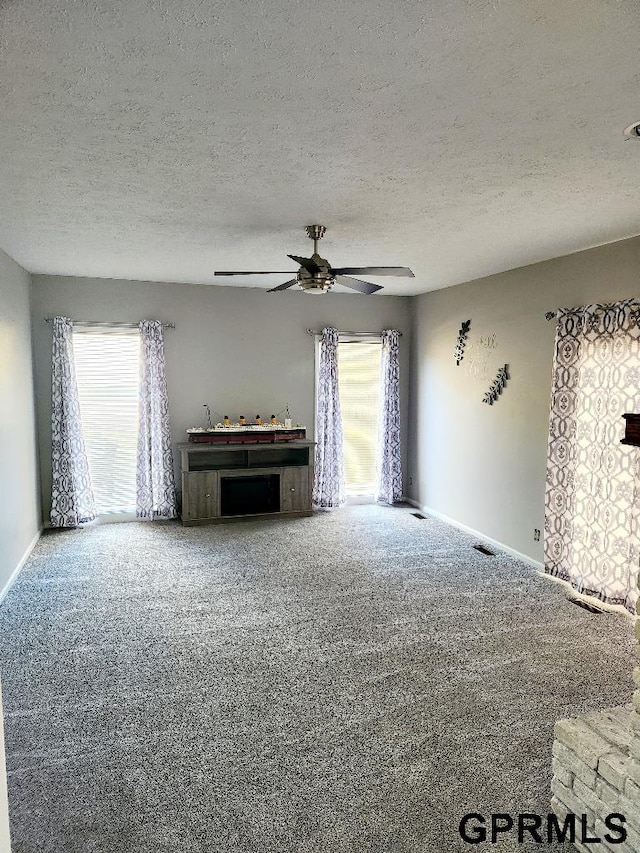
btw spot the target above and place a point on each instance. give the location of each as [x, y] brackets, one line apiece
[497, 386]
[462, 339]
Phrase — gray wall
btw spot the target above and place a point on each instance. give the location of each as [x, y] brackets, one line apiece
[19, 511]
[241, 350]
[484, 466]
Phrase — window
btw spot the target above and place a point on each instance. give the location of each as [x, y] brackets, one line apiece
[107, 365]
[359, 383]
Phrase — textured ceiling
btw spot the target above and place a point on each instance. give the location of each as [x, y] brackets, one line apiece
[162, 140]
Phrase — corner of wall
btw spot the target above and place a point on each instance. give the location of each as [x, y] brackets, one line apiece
[20, 520]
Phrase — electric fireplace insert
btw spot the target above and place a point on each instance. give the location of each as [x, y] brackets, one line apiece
[250, 495]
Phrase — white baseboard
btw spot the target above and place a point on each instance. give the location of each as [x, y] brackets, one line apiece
[5, 589]
[476, 533]
[614, 608]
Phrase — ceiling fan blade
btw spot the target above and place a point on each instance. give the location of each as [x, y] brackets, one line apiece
[356, 284]
[403, 271]
[307, 263]
[283, 286]
[256, 272]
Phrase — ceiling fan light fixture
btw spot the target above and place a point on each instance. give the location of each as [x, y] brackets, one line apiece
[316, 284]
[318, 279]
[316, 290]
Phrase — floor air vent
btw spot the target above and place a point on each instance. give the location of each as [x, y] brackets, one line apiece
[418, 515]
[484, 550]
[586, 605]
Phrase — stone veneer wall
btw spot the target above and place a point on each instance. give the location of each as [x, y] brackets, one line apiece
[596, 769]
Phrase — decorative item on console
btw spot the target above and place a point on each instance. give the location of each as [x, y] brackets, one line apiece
[208, 411]
[241, 432]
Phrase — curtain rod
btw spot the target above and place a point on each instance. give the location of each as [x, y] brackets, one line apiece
[551, 315]
[106, 324]
[354, 334]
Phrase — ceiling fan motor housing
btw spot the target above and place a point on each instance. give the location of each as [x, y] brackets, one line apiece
[318, 281]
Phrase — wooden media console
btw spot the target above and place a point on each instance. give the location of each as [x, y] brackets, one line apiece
[234, 481]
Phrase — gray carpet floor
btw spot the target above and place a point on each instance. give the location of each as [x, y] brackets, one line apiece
[354, 681]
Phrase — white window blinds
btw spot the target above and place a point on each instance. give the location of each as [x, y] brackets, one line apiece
[359, 383]
[107, 365]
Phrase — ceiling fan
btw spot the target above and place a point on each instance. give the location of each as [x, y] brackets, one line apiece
[316, 275]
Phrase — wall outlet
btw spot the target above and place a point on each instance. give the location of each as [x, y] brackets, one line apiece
[411, 481]
[536, 534]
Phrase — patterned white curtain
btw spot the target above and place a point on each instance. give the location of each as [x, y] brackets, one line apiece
[328, 485]
[389, 457]
[72, 500]
[155, 488]
[592, 489]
